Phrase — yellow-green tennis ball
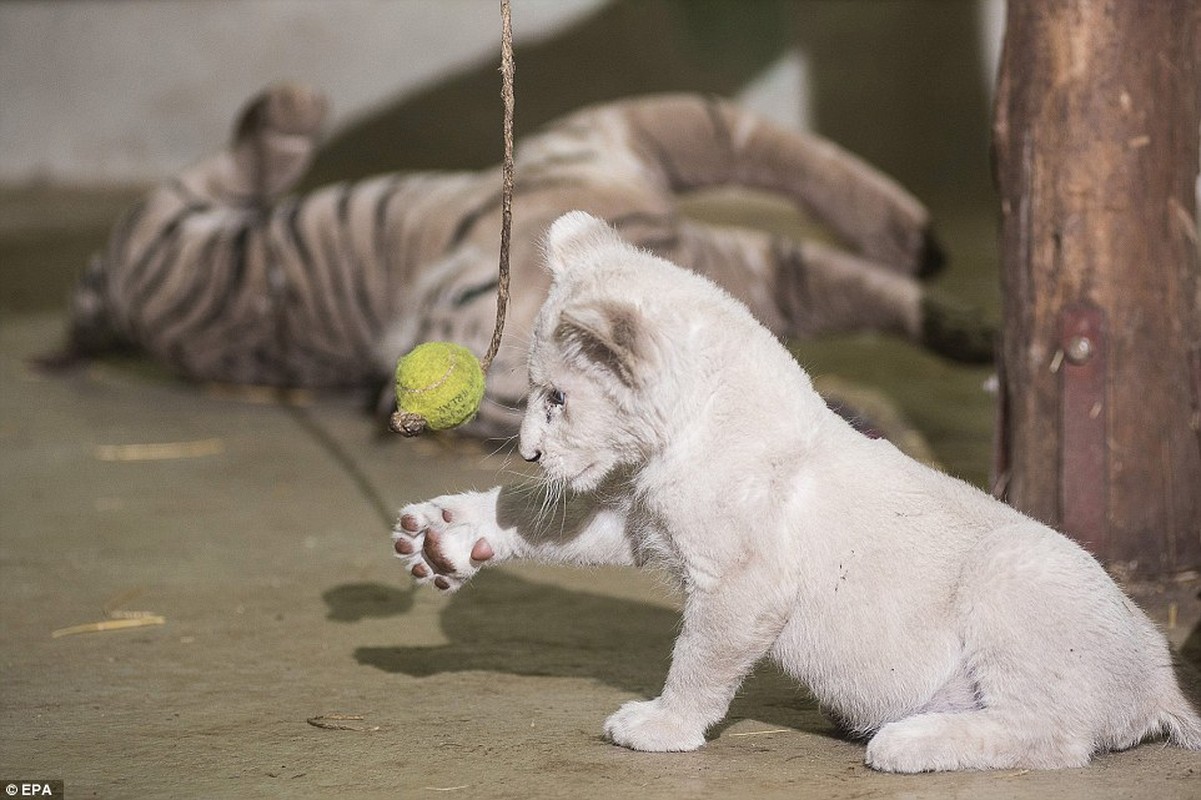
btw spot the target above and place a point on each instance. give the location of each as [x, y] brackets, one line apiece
[441, 382]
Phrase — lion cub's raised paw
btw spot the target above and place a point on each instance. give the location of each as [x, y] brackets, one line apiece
[439, 545]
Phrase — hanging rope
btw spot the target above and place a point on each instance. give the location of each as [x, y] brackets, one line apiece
[506, 188]
[441, 384]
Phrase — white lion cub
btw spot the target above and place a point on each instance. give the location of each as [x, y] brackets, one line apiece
[956, 632]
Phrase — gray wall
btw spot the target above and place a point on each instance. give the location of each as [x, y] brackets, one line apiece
[119, 91]
[100, 90]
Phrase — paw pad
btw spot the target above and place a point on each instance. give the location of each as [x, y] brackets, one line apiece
[438, 547]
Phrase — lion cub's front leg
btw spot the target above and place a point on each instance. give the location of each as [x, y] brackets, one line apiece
[446, 540]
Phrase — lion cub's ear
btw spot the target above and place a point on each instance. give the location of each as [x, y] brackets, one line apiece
[604, 335]
[574, 235]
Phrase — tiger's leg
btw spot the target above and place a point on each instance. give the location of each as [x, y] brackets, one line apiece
[274, 139]
[803, 289]
[691, 142]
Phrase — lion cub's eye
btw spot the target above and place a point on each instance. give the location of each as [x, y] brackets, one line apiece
[556, 397]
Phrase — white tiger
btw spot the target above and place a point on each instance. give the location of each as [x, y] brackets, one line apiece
[952, 630]
[219, 275]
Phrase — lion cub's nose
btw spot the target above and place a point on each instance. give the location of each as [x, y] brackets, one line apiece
[532, 458]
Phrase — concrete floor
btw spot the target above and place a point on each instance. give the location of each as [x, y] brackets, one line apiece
[264, 549]
[259, 535]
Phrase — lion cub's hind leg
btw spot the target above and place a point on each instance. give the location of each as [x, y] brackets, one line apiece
[974, 740]
[1065, 665]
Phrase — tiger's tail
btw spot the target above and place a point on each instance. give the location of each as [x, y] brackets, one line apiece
[694, 142]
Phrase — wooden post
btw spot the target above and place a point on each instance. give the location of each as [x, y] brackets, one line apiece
[1096, 153]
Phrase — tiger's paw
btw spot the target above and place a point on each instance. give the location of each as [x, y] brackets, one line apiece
[276, 137]
[955, 330]
[439, 545]
[290, 109]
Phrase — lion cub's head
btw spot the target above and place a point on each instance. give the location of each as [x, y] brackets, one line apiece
[597, 377]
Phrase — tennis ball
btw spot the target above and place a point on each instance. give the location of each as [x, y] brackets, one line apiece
[438, 385]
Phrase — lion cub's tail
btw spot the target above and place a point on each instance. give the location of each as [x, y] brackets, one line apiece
[1180, 717]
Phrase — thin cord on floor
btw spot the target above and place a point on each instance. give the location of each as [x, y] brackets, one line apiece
[339, 454]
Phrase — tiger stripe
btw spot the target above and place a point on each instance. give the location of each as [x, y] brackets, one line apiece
[225, 282]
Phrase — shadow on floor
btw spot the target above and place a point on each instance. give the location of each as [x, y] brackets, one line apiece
[352, 602]
[509, 625]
